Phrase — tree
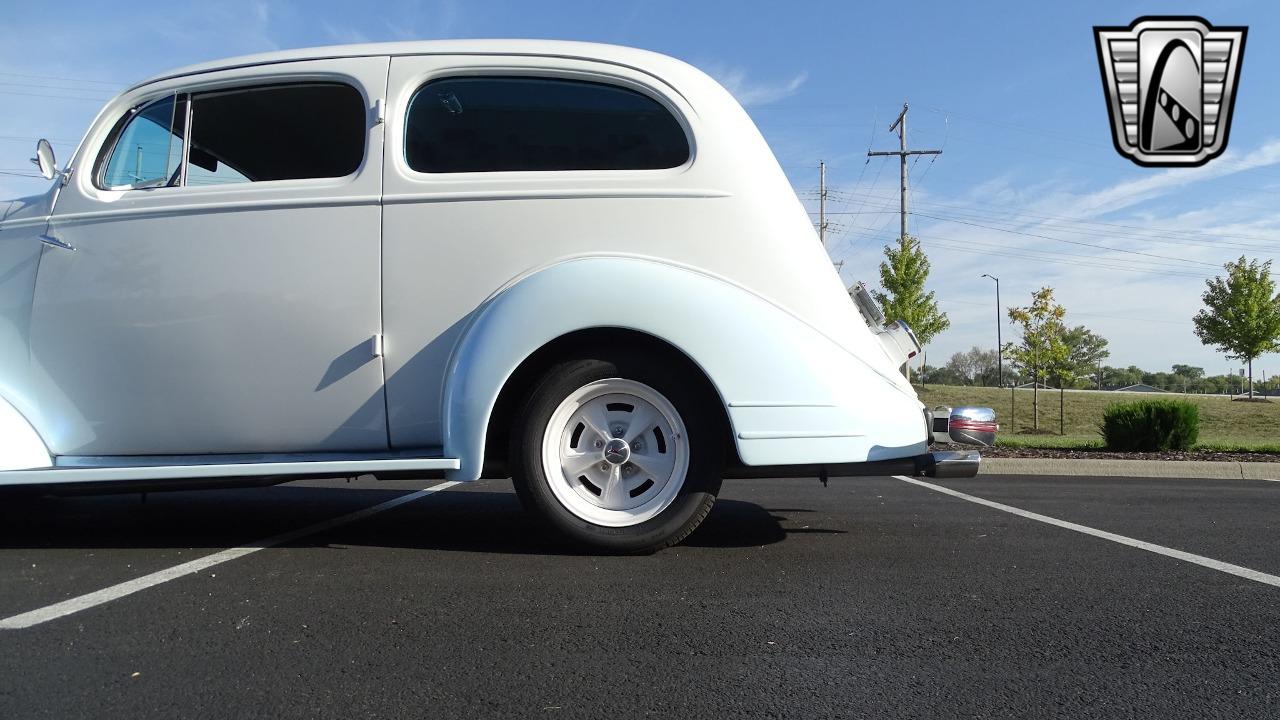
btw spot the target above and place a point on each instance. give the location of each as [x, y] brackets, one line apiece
[944, 375]
[1087, 350]
[974, 367]
[1241, 316]
[904, 298]
[1189, 372]
[1042, 347]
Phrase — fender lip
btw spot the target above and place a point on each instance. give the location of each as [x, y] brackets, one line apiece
[21, 447]
[944, 464]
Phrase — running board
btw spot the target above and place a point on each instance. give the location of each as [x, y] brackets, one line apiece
[110, 470]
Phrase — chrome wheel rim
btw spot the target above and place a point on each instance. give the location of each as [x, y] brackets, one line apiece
[615, 452]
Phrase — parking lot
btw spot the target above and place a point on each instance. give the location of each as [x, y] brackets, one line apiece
[871, 597]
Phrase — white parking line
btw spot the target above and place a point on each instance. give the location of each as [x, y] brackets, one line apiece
[99, 597]
[1200, 560]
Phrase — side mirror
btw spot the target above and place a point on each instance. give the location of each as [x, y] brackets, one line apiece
[44, 159]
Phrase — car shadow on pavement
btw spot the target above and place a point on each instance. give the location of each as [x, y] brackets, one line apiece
[471, 521]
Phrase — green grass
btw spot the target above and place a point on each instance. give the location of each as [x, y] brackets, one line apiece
[1225, 425]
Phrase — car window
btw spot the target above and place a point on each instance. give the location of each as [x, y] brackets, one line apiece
[490, 124]
[288, 132]
[148, 150]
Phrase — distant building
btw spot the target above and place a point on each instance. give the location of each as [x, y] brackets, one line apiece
[1140, 387]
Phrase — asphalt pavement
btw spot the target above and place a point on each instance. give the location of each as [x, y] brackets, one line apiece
[873, 597]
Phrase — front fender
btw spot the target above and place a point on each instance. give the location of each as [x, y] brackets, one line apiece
[792, 395]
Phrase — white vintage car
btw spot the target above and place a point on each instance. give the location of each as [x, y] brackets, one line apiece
[573, 264]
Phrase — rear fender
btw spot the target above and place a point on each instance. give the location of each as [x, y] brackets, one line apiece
[792, 395]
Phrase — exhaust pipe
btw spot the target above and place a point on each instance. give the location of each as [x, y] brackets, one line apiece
[954, 464]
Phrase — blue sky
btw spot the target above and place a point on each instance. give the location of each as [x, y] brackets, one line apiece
[1010, 91]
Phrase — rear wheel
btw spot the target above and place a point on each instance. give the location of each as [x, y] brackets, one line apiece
[622, 455]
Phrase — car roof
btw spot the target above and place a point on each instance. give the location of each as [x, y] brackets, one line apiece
[615, 54]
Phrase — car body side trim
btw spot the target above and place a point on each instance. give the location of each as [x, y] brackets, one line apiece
[58, 475]
[36, 221]
[553, 194]
[200, 206]
[767, 404]
[796, 434]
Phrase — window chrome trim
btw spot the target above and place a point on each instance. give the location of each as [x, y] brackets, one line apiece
[108, 148]
[186, 141]
[573, 75]
[104, 158]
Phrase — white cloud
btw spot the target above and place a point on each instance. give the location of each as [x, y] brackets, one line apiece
[343, 35]
[1132, 192]
[1146, 316]
[753, 94]
[418, 20]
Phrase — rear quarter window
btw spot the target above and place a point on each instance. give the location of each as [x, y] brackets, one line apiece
[495, 124]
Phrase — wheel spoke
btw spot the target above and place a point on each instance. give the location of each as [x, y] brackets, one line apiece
[643, 418]
[656, 466]
[595, 415]
[615, 494]
[578, 463]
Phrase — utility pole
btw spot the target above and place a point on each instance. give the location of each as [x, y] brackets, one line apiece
[822, 203]
[999, 339]
[900, 125]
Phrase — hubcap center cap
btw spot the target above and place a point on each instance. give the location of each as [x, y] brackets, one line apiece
[616, 451]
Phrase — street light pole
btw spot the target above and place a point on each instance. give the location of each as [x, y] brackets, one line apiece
[999, 340]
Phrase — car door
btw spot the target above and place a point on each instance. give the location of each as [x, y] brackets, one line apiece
[213, 282]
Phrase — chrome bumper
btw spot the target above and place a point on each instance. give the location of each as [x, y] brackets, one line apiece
[964, 425]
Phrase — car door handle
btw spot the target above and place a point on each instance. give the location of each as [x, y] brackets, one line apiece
[55, 242]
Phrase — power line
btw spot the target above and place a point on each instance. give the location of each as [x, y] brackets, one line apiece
[58, 97]
[973, 216]
[1045, 257]
[1070, 242]
[966, 247]
[65, 79]
[1074, 219]
[47, 86]
[1084, 229]
[1084, 314]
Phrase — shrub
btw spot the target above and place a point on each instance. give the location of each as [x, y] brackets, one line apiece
[1151, 425]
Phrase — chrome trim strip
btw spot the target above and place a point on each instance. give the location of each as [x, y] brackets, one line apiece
[767, 404]
[541, 194]
[186, 141]
[209, 207]
[56, 475]
[796, 434]
[24, 222]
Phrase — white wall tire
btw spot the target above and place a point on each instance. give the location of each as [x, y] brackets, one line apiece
[620, 455]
